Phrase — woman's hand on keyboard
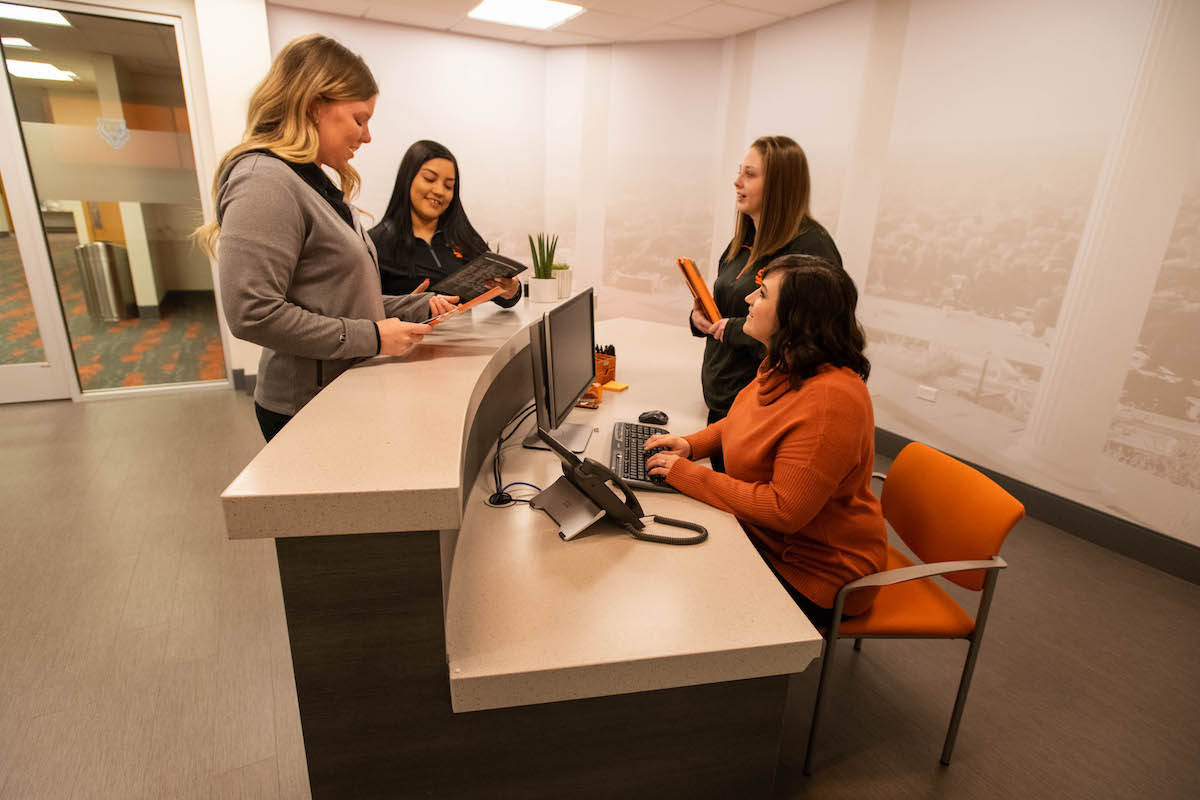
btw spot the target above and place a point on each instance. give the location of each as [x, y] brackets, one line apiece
[660, 463]
[675, 445]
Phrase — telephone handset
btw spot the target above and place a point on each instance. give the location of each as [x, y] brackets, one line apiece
[590, 478]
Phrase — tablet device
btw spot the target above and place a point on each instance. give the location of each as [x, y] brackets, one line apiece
[699, 289]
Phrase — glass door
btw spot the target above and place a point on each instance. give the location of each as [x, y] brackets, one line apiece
[102, 114]
[35, 363]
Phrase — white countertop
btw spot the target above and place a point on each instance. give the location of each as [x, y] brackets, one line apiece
[380, 448]
[531, 618]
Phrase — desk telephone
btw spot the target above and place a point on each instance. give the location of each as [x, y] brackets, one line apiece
[582, 496]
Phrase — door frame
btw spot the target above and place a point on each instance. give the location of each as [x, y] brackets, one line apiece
[195, 100]
[54, 378]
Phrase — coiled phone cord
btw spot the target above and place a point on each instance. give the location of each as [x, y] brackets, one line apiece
[701, 535]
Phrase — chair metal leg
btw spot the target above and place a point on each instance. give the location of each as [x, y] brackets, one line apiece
[858, 644]
[964, 686]
[826, 667]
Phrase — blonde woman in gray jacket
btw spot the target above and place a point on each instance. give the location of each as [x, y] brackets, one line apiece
[299, 275]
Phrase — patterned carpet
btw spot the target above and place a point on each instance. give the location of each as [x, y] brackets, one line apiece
[184, 345]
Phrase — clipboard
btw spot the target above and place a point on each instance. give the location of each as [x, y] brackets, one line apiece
[699, 288]
[470, 281]
[495, 291]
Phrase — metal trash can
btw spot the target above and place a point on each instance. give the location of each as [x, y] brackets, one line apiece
[107, 281]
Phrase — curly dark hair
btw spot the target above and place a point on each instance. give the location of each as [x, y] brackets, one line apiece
[817, 324]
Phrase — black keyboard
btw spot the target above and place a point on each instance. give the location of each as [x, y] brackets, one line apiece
[628, 459]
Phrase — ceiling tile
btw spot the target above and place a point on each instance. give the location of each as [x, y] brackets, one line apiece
[668, 33]
[725, 20]
[346, 8]
[603, 25]
[651, 10]
[493, 30]
[557, 38]
[405, 15]
[784, 8]
[454, 8]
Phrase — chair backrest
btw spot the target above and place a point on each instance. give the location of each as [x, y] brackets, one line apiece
[947, 511]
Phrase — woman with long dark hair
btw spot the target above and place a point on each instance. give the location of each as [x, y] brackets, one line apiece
[425, 234]
[771, 193]
[799, 440]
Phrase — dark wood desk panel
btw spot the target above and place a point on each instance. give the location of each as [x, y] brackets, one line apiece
[364, 617]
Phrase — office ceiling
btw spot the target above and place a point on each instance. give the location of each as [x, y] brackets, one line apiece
[141, 48]
[603, 22]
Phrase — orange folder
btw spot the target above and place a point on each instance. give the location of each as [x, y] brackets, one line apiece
[699, 289]
[483, 298]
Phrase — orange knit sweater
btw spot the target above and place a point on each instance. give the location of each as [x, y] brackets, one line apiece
[798, 478]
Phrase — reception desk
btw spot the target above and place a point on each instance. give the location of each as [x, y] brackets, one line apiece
[445, 648]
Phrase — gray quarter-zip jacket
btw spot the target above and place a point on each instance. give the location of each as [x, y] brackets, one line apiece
[299, 281]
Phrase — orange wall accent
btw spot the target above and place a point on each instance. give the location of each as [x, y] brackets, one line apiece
[148, 118]
[80, 110]
[73, 109]
[181, 119]
[110, 228]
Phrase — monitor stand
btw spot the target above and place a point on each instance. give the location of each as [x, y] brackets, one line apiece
[572, 436]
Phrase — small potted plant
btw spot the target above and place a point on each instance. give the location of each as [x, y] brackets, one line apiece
[543, 286]
[562, 273]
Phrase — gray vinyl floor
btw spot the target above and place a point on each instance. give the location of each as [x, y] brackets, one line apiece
[143, 655]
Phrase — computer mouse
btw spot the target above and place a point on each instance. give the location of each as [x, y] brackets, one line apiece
[654, 417]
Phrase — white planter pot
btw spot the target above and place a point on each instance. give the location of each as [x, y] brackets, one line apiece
[563, 276]
[543, 290]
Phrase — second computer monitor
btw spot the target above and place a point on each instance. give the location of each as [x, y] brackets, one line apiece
[562, 348]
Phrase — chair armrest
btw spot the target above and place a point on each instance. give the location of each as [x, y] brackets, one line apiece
[917, 571]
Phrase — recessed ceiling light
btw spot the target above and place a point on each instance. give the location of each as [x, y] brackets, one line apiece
[538, 14]
[16, 41]
[36, 70]
[28, 14]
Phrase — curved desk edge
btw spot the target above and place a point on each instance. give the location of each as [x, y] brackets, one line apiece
[531, 619]
[628, 677]
[314, 478]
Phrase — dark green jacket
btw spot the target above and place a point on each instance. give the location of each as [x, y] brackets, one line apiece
[730, 365]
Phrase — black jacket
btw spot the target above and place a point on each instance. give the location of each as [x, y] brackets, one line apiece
[403, 267]
[730, 365]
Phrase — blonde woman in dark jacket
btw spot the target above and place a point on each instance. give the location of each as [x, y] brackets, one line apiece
[299, 275]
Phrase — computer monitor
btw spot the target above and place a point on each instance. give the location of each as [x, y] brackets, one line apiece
[562, 347]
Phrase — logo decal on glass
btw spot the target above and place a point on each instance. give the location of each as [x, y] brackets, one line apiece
[113, 131]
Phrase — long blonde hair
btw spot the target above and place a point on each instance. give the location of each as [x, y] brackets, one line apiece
[310, 69]
[786, 191]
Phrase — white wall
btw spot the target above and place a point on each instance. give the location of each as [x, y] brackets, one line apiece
[180, 264]
[807, 80]
[1036, 154]
[565, 72]
[483, 99]
[957, 152]
[232, 42]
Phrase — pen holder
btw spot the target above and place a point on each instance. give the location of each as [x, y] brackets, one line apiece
[606, 368]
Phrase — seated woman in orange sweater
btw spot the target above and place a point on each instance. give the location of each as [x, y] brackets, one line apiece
[799, 441]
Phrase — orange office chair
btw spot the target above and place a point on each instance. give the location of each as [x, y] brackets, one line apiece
[954, 519]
